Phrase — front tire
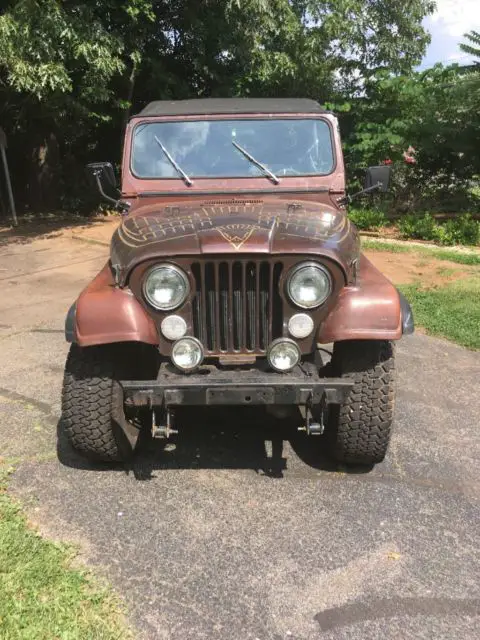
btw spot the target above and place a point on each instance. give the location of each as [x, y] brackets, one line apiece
[93, 416]
[358, 431]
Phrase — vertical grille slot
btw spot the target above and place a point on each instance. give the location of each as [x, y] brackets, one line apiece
[198, 323]
[237, 307]
[224, 310]
[238, 304]
[211, 328]
[276, 304]
[251, 307]
[265, 294]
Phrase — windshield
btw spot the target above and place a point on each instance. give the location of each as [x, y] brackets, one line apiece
[216, 148]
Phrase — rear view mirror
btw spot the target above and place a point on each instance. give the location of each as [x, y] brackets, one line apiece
[378, 178]
[104, 171]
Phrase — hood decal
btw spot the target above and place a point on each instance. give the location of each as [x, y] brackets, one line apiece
[236, 234]
[176, 223]
[245, 228]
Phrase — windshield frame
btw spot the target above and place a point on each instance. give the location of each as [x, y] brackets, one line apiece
[237, 117]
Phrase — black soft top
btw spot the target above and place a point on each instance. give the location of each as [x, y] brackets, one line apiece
[206, 106]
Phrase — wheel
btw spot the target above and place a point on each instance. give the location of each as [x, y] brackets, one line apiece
[93, 416]
[358, 431]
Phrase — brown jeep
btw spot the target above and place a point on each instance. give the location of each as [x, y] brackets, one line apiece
[234, 263]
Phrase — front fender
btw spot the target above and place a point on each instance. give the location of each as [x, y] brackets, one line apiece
[105, 314]
[373, 309]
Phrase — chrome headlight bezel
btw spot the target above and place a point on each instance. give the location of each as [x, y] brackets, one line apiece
[294, 272]
[178, 271]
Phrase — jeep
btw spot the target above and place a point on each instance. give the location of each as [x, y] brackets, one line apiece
[234, 265]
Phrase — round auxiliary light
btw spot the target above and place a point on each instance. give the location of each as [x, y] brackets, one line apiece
[166, 287]
[173, 327]
[187, 353]
[283, 355]
[309, 285]
[300, 325]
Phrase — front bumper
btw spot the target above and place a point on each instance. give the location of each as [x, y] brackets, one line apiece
[213, 386]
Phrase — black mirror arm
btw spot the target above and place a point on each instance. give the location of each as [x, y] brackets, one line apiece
[119, 204]
[100, 188]
[348, 199]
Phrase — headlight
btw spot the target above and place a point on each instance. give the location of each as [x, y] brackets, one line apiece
[309, 285]
[166, 287]
[187, 353]
[283, 355]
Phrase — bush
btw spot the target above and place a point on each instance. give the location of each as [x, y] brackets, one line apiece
[367, 219]
[420, 227]
[461, 230]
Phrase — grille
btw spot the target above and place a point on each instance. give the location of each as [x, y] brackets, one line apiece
[237, 307]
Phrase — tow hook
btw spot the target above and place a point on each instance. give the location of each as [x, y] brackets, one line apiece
[163, 431]
[310, 427]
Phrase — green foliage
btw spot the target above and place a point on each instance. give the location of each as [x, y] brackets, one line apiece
[46, 48]
[420, 227]
[71, 72]
[435, 112]
[461, 230]
[451, 311]
[473, 46]
[367, 219]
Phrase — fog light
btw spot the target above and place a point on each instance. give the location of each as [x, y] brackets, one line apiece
[283, 354]
[187, 353]
[300, 325]
[173, 327]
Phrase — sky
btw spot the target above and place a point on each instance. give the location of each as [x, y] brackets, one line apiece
[447, 25]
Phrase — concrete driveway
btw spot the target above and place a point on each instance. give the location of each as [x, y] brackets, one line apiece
[240, 529]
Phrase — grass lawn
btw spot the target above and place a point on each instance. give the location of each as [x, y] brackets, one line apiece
[470, 258]
[451, 311]
[447, 309]
[41, 596]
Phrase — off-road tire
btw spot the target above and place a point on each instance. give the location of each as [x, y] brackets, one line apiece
[358, 431]
[92, 401]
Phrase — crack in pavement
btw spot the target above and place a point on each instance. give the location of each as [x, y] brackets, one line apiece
[358, 612]
[52, 268]
[47, 330]
[26, 400]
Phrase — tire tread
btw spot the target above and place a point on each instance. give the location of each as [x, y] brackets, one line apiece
[87, 398]
[361, 427]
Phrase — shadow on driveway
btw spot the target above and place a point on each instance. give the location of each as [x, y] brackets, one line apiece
[210, 439]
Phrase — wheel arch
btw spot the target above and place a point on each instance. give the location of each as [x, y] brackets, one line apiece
[372, 309]
[105, 314]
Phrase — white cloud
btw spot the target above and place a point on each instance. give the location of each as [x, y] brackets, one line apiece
[456, 17]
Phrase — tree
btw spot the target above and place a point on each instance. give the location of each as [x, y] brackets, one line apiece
[434, 111]
[474, 48]
[71, 72]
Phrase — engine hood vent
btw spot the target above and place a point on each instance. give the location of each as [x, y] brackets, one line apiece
[234, 201]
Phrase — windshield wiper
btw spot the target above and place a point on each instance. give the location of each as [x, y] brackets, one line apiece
[176, 166]
[258, 164]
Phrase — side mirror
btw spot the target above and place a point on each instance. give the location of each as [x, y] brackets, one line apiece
[104, 171]
[378, 178]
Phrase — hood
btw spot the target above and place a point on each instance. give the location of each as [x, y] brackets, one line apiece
[237, 227]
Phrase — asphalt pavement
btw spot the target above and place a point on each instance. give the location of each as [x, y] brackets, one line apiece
[241, 528]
